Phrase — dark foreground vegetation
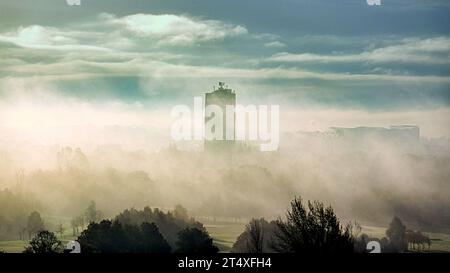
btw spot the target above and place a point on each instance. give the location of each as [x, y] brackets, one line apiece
[316, 229]
[306, 228]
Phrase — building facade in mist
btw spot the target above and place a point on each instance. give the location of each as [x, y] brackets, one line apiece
[399, 133]
[221, 97]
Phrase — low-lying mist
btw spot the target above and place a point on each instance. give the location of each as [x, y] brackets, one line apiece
[367, 181]
[57, 155]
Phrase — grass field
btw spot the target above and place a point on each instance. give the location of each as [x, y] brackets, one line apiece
[18, 246]
[225, 234]
[13, 246]
[440, 241]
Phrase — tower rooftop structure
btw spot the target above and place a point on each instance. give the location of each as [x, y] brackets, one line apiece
[221, 97]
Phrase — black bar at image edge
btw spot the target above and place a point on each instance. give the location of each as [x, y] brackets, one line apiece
[225, 262]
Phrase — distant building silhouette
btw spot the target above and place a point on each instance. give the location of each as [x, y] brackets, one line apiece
[394, 133]
[221, 97]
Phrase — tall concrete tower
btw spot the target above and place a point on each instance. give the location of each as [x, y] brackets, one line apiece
[221, 97]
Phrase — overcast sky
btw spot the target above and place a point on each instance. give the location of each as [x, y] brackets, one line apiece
[302, 54]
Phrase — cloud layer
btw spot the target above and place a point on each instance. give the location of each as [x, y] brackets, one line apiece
[160, 59]
[413, 50]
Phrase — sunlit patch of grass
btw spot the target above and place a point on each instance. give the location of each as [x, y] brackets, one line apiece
[225, 234]
[17, 246]
[440, 242]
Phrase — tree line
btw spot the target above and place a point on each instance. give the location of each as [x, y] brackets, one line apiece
[134, 231]
[309, 227]
[314, 228]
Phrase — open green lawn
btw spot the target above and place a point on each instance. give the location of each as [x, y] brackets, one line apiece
[440, 241]
[13, 246]
[225, 234]
[18, 246]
